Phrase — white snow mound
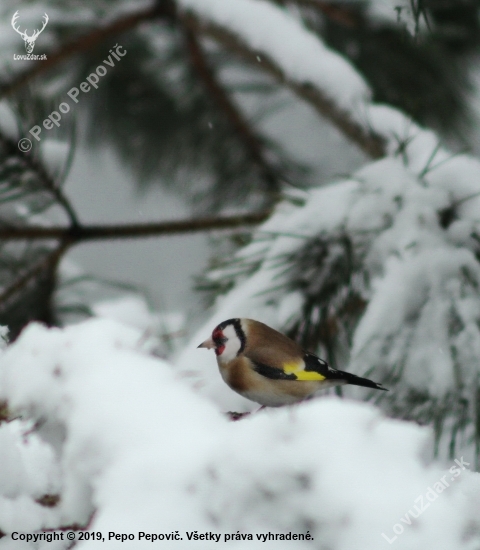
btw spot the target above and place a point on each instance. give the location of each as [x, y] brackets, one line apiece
[120, 435]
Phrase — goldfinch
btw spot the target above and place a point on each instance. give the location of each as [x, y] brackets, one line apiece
[269, 368]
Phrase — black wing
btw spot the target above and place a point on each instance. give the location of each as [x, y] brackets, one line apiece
[272, 372]
[314, 363]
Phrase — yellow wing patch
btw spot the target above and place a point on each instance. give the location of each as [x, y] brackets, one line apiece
[300, 373]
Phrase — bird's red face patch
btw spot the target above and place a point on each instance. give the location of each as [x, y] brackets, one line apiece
[219, 340]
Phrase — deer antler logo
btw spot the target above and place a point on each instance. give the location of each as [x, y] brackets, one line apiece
[29, 40]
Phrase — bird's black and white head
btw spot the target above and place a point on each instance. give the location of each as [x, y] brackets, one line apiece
[228, 340]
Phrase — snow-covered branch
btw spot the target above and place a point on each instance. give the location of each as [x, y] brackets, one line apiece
[254, 30]
[235, 116]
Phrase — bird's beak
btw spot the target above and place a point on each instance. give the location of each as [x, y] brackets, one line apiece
[207, 344]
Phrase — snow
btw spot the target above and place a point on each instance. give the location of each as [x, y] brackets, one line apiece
[412, 304]
[303, 57]
[133, 310]
[162, 333]
[55, 154]
[121, 435]
[3, 337]
[19, 474]
[396, 12]
[8, 121]
[94, 384]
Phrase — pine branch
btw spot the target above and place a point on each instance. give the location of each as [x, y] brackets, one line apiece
[82, 233]
[368, 141]
[46, 180]
[223, 101]
[87, 42]
[49, 261]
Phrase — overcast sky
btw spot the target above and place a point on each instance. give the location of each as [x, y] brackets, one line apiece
[102, 192]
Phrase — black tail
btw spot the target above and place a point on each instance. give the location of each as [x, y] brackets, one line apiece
[359, 381]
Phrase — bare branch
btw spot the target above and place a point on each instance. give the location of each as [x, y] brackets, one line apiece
[69, 236]
[84, 233]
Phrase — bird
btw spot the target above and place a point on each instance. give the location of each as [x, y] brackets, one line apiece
[269, 368]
